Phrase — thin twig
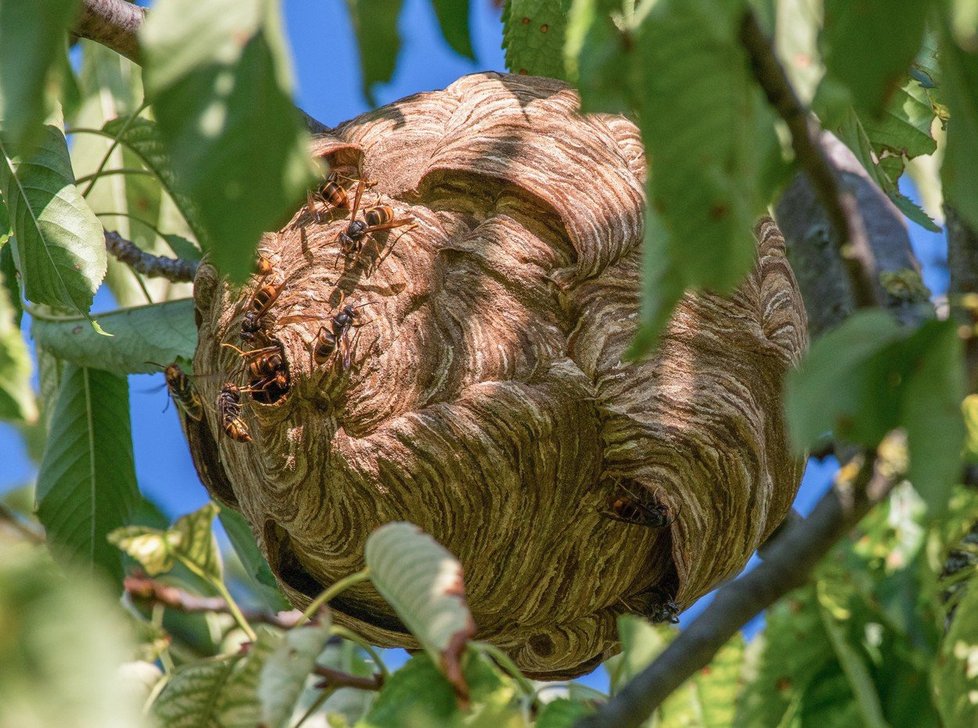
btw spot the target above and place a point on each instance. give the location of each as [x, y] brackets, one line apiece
[113, 23]
[786, 567]
[145, 589]
[339, 679]
[8, 516]
[839, 203]
[177, 270]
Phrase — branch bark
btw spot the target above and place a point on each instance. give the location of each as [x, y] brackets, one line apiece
[177, 270]
[338, 679]
[962, 261]
[840, 206]
[113, 23]
[144, 589]
[785, 568]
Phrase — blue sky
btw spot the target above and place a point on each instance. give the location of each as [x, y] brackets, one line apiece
[326, 65]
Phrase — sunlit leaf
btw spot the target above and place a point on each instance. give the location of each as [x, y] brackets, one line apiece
[796, 43]
[418, 696]
[260, 573]
[63, 640]
[710, 696]
[58, 243]
[31, 50]
[533, 36]
[453, 17]
[959, 173]
[160, 332]
[86, 486]
[284, 674]
[219, 77]
[860, 681]
[189, 541]
[905, 125]
[375, 26]
[16, 395]
[112, 88]
[641, 642]
[594, 52]
[869, 45]
[422, 581]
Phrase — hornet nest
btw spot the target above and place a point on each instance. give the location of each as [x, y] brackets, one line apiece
[462, 368]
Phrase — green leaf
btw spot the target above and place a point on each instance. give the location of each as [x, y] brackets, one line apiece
[959, 173]
[8, 277]
[453, 19]
[63, 641]
[243, 540]
[112, 89]
[182, 247]
[86, 486]
[905, 126]
[561, 713]
[708, 135]
[641, 642]
[422, 581]
[58, 243]
[284, 674]
[220, 81]
[160, 332]
[533, 36]
[418, 696]
[869, 45]
[16, 396]
[143, 138]
[31, 48]
[375, 26]
[189, 541]
[709, 698]
[869, 376]
[595, 51]
[955, 674]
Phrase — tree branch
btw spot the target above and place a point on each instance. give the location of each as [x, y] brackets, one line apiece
[785, 567]
[338, 679]
[113, 23]
[177, 270]
[144, 589]
[962, 262]
[839, 204]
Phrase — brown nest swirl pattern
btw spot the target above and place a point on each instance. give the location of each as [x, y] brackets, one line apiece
[487, 399]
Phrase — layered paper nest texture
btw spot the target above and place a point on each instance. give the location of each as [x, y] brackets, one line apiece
[488, 399]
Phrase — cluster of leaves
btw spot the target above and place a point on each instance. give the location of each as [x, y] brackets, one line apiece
[169, 155]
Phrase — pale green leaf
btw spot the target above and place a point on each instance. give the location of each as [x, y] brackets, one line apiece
[238, 705]
[959, 172]
[561, 713]
[375, 26]
[219, 78]
[160, 332]
[63, 639]
[16, 396]
[146, 545]
[284, 674]
[143, 138]
[905, 125]
[453, 18]
[641, 642]
[422, 581]
[715, 688]
[594, 54]
[796, 42]
[31, 50]
[192, 541]
[190, 696]
[860, 681]
[869, 45]
[86, 485]
[533, 36]
[243, 541]
[58, 243]
[418, 696]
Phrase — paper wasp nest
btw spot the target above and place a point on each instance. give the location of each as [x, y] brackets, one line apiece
[486, 399]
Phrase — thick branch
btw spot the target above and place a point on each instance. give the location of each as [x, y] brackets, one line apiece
[113, 23]
[177, 270]
[786, 567]
[144, 589]
[860, 262]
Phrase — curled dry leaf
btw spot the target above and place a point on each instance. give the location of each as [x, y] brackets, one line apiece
[486, 399]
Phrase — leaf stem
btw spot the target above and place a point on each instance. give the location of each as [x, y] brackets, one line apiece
[112, 147]
[352, 636]
[332, 592]
[510, 667]
[105, 173]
